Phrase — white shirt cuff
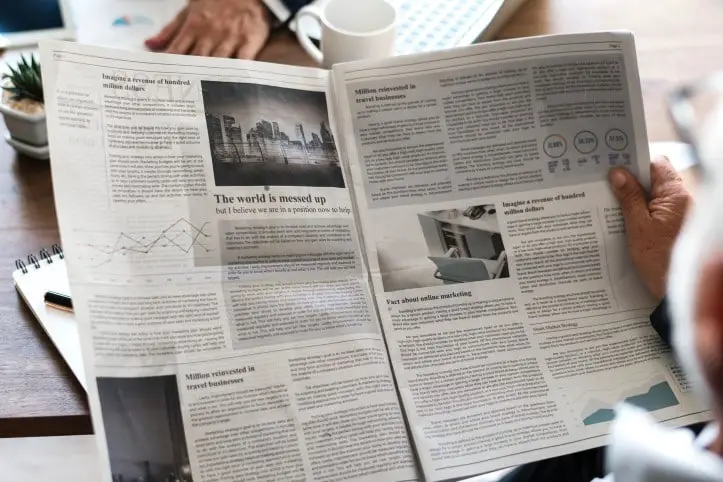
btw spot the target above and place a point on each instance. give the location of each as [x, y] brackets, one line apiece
[278, 8]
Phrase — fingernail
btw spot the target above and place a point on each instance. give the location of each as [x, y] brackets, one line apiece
[618, 178]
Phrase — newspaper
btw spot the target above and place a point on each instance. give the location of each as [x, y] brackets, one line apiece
[223, 301]
[513, 316]
[293, 274]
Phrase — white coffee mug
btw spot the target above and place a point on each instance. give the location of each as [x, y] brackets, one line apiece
[350, 30]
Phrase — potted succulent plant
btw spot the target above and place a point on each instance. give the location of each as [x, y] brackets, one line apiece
[21, 102]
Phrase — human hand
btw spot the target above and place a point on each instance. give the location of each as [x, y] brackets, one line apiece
[216, 28]
[651, 226]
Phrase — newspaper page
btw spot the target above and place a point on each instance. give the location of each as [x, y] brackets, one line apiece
[226, 318]
[514, 319]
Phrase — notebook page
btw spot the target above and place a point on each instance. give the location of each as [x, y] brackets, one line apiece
[59, 325]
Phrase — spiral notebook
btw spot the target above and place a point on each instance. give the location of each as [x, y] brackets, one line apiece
[40, 274]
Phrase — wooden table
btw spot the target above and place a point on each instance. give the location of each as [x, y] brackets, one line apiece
[677, 41]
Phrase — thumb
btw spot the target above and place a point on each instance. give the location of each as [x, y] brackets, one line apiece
[629, 193]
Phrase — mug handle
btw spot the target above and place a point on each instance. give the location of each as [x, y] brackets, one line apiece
[311, 49]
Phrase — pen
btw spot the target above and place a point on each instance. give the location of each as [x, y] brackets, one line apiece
[58, 301]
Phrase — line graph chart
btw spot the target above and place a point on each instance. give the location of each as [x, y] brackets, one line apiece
[645, 386]
[178, 238]
[653, 397]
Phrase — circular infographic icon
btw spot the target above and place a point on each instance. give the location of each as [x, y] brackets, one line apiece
[555, 146]
[585, 142]
[616, 139]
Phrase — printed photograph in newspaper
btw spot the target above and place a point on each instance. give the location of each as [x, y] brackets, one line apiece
[261, 135]
[443, 247]
[144, 428]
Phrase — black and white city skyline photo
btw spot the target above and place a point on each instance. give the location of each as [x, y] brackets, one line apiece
[262, 135]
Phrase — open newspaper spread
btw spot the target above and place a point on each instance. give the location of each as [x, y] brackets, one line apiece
[290, 274]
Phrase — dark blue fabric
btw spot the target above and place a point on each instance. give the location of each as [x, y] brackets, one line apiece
[295, 5]
[579, 467]
[660, 319]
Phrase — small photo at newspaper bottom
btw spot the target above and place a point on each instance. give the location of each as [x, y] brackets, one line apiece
[261, 135]
[443, 247]
[144, 428]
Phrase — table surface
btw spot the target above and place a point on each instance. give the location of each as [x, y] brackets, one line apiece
[677, 41]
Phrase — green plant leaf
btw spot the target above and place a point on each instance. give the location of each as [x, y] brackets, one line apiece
[25, 79]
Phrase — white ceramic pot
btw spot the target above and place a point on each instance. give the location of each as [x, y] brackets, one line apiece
[28, 128]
